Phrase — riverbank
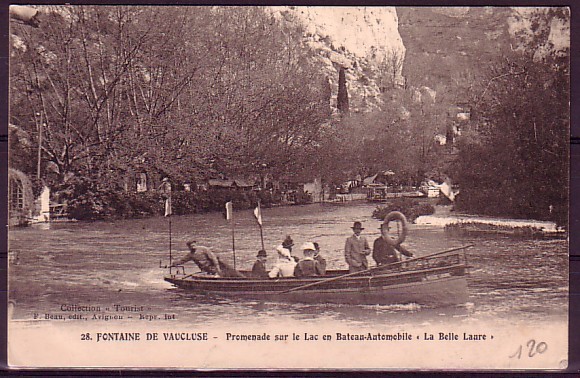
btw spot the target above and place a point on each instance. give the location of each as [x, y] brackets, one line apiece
[445, 217]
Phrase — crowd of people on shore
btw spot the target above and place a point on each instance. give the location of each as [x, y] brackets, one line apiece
[312, 264]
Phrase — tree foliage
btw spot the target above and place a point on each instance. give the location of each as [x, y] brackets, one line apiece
[342, 97]
[515, 162]
[189, 92]
[400, 137]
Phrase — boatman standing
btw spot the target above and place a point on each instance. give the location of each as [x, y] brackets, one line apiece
[356, 250]
[384, 251]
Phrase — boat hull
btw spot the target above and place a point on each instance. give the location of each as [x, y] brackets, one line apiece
[439, 287]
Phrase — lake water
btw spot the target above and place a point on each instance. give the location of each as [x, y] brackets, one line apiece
[518, 299]
[107, 263]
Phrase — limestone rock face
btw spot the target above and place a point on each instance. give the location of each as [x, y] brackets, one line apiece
[447, 47]
[433, 49]
[363, 40]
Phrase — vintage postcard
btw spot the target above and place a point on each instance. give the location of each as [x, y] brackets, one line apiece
[288, 187]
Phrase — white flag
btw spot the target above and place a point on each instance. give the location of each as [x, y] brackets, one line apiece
[168, 210]
[258, 214]
[229, 210]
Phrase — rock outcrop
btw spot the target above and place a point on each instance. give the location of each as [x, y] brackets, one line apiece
[363, 40]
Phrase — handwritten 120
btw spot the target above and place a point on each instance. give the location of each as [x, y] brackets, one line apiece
[533, 349]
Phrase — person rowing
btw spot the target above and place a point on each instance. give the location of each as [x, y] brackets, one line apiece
[207, 261]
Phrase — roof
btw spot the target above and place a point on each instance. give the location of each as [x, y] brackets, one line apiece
[243, 183]
[220, 183]
[369, 180]
[240, 183]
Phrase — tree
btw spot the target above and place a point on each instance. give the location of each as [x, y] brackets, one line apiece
[189, 92]
[520, 141]
[342, 97]
[390, 68]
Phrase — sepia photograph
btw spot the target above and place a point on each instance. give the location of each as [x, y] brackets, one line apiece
[369, 188]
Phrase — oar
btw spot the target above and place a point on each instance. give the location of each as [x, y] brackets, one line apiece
[372, 269]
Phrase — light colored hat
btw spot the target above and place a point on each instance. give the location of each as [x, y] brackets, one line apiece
[308, 246]
[283, 252]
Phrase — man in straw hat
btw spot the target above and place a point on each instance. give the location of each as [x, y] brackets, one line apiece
[356, 250]
[308, 267]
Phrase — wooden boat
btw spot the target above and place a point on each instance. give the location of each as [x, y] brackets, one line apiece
[438, 279]
[382, 194]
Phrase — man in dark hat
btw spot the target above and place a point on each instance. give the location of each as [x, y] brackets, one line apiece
[288, 243]
[259, 268]
[356, 250]
[384, 250]
[321, 260]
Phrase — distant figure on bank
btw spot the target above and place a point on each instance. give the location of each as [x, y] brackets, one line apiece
[259, 268]
[308, 267]
[321, 260]
[384, 251]
[284, 267]
[356, 250]
[207, 261]
[165, 188]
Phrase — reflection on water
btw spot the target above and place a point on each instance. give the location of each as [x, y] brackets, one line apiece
[106, 263]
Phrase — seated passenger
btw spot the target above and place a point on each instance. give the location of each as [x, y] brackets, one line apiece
[207, 261]
[288, 243]
[308, 267]
[321, 260]
[284, 267]
[259, 268]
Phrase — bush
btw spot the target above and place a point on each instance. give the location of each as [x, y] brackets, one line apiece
[303, 198]
[476, 228]
[268, 198]
[186, 203]
[412, 209]
[86, 201]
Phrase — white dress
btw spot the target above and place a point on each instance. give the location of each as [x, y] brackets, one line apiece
[283, 268]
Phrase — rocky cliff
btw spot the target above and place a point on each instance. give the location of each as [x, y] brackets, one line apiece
[437, 50]
[363, 40]
[447, 47]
